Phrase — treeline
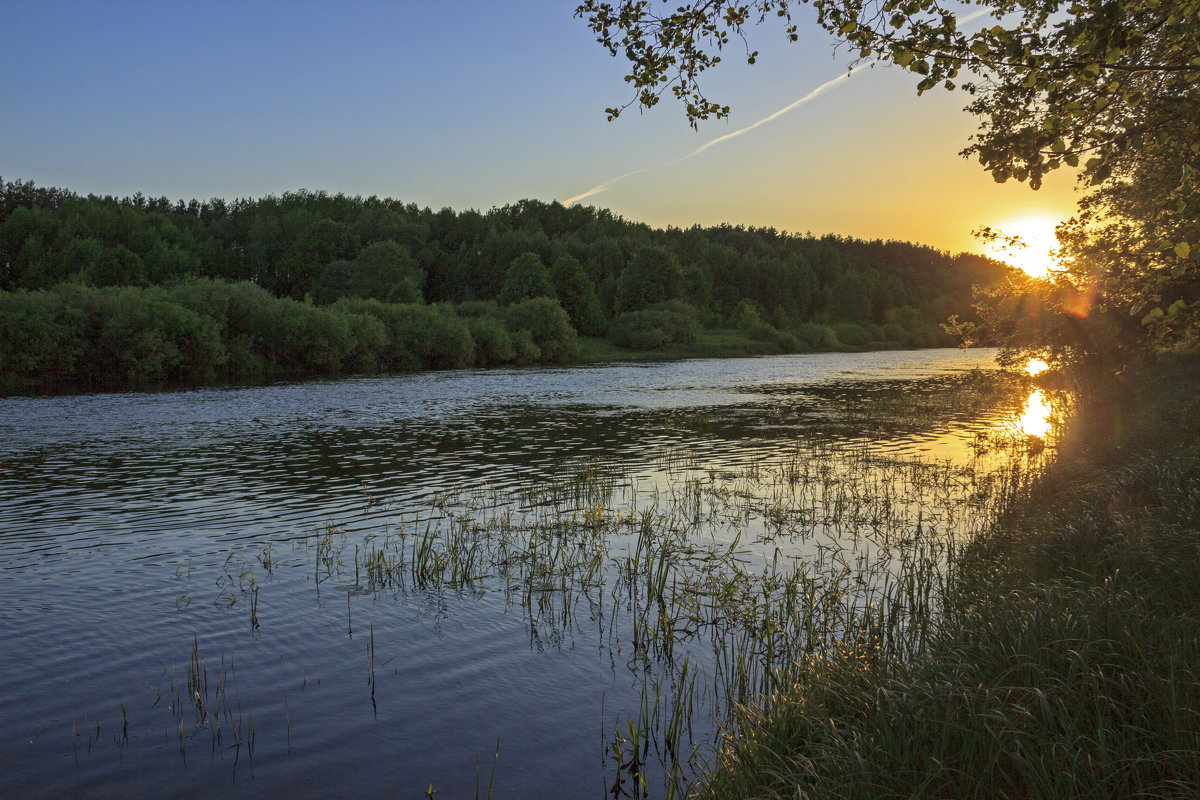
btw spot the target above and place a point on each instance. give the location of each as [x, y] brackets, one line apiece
[107, 292]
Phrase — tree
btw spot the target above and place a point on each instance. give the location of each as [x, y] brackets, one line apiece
[1111, 87]
[577, 295]
[652, 276]
[525, 277]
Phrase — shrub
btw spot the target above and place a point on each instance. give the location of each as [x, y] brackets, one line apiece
[524, 349]
[368, 342]
[850, 334]
[548, 325]
[932, 336]
[636, 330]
[422, 337]
[673, 321]
[817, 336]
[41, 340]
[493, 345]
[896, 333]
[746, 315]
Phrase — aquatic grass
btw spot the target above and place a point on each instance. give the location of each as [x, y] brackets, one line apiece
[492, 777]
[707, 585]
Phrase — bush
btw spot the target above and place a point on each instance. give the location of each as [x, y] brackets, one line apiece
[132, 337]
[851, 334]
[933, 336]
[680, 321]
[548, 325]
[478, 308]
[493, 345]
[762, 332]
[636, 330]
[41, 340]
[524, 349]
[746, 315]
[309, 340]
[673, 321]
[368, 343]
[817, 336]
[896, 333]
[423, 337]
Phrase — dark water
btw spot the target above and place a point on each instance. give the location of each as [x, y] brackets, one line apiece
[136, 530]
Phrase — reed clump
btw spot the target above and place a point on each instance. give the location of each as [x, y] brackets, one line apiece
[1065, 661]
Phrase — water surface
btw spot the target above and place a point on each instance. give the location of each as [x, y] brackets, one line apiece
[221, 529]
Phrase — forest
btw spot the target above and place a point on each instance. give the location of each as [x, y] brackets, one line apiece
[105, 294]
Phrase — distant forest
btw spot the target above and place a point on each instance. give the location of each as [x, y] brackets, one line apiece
[100, 293]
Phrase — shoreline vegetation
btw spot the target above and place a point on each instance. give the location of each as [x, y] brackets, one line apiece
[1067, 658]
[107, 294]
[206, 333]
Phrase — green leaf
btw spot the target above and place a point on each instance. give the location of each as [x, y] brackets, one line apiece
[1183, 249]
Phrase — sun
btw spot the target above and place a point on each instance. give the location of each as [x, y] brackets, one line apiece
[1036, 233]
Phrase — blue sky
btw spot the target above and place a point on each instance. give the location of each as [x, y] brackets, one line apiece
[475, 104]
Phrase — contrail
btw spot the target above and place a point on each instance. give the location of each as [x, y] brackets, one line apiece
[601, 187]
[815, 93]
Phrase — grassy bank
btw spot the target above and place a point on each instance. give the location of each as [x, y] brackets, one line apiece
[1068, 661]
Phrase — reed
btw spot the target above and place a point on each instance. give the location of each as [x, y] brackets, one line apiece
[719, 590]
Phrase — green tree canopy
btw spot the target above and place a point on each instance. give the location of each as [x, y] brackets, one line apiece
[652, 276]
[577, 295]
[525, 277]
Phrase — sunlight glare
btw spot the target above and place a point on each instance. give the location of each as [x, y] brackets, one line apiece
[1035, 417]
[1037, 232]
[1036, 366]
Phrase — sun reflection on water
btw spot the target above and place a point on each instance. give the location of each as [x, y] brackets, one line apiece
[1035, 416]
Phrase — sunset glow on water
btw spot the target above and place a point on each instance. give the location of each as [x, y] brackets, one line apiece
[1035, 417]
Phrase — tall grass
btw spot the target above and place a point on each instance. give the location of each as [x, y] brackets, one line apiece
[1065, 661]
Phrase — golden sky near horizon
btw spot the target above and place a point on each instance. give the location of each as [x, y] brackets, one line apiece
[432, 106]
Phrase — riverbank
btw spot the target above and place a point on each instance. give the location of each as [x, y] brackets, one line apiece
[1068, 660]
[79, 339]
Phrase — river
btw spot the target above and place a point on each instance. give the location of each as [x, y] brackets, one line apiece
[387, 584]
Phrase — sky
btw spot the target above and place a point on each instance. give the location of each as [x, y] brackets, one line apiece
[479, 104]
